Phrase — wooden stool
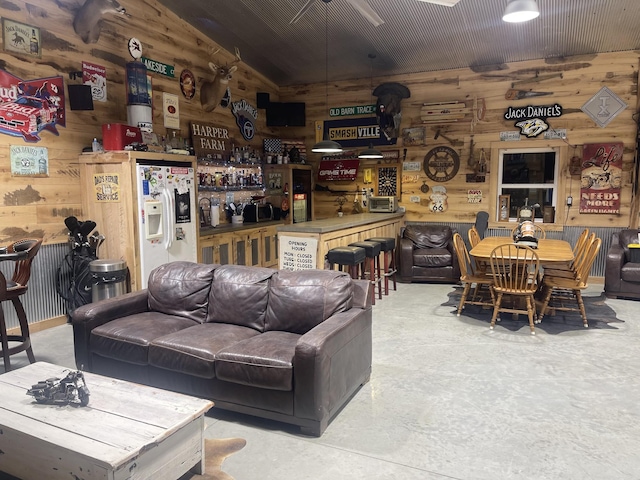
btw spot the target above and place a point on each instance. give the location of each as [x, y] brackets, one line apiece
[388, 246]
[372, 265]
[350, 257]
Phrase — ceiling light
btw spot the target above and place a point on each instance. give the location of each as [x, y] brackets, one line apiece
[520, 11]
[370, 153]
[326, 145]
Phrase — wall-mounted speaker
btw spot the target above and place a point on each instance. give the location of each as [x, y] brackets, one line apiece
[80, 97]
[262, 99]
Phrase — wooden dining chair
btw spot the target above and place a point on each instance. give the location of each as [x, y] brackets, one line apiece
[557, 291]
[12, 290]
[474, 236]
[538, 231]
[570, 270]
[515, 273]
[469, 276]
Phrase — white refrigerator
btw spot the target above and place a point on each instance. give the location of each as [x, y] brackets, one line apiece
[167, 214]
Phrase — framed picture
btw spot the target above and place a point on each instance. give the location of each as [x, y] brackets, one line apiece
[388, 180]
[21, 38]
[413, 136]
[504, 206]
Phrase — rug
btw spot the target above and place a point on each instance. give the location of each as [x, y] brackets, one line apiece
[599, 315]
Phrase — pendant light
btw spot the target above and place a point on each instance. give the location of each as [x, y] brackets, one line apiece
[371, 152]
[518, 11]
[326, 145]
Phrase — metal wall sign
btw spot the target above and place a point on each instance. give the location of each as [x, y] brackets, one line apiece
[246, 115]
[29, 161]
[158, 67]
[210, 140]
[441, 164]
[356, 132]
[355, 110]
[532, 119]
[603, 107]
[601, 178]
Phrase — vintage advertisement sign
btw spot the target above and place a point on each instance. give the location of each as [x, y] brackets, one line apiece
[106, 187]
[601, 178]
[210, 141]
[20, 38]
[29, 161]
[96, 77]
[342, 169]
[532, 119]
[297, 253]
[356, 132]
[171, 110]
[29, 106]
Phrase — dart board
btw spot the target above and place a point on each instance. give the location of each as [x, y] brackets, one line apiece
[441, 164]
[388, 180]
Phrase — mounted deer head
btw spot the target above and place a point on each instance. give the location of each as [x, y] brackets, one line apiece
[211, 92]
[88, 18]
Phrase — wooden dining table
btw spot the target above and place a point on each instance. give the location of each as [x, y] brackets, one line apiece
[550, 251]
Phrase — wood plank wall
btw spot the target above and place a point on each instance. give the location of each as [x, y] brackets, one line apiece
[573, 82]
[38, 206]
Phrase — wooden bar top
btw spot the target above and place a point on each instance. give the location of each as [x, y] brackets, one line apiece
[338, 223]
[236, 227]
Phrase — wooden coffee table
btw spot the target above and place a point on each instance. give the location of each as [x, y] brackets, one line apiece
[126, 431]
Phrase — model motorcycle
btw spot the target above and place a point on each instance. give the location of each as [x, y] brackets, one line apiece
[72, 389]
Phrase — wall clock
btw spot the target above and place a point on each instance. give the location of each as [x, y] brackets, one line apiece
[388, 180]
[441, 164]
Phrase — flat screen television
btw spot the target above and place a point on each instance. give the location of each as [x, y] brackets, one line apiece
[286, 114]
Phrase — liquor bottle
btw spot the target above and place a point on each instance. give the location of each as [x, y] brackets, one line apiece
[34, 47]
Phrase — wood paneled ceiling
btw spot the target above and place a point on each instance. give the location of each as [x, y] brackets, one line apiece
[415, 36]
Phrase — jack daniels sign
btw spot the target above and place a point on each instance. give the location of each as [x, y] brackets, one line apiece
[532, 119]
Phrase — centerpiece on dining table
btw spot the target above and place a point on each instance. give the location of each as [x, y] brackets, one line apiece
[524, 233]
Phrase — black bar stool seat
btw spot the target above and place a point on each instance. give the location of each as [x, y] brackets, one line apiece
[350, 257]
[372, 251]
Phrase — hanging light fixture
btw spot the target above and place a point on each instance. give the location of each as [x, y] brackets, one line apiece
[326, 145]
[520, 11]
[371, 152]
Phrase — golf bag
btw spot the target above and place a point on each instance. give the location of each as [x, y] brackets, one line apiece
[73, 278]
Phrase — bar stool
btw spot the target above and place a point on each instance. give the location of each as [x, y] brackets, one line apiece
[388, 246]
[372, 265]
[350, 257]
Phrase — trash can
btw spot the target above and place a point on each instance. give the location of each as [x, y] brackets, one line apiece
[109, 279]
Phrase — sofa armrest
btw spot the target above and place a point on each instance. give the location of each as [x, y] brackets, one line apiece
[613, 266]
[361, 294]
[405, 258]
[330, 362]
[92, 315]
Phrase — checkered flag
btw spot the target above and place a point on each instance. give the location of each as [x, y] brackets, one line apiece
[272, 145]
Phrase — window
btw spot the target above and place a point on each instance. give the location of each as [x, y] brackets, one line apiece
[528, 176]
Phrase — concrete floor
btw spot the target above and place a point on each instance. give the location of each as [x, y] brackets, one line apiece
[450, 399]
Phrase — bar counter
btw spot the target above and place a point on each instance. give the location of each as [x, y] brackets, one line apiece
[305, 245]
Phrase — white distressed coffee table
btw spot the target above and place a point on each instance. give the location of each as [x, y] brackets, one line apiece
[128, 431]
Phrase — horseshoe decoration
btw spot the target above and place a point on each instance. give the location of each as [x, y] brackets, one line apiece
[441, 164]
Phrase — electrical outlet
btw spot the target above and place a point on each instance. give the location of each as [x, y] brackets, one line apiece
[569, 201]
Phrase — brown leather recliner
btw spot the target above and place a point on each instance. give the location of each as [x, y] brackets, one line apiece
[622, 272]
[426, 254]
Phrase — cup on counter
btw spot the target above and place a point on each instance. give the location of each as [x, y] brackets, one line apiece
[237, 219]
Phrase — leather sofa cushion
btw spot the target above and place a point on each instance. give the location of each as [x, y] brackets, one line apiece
[263, 361]
[127, 339]
[181, 288]
[630, 272]
[239, 295]
[432, 257]
[300, 300]
[193, 350]
[429, 236]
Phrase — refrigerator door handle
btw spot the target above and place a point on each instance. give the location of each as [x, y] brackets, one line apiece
[168, 241]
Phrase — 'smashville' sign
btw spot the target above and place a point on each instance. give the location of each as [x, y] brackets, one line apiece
[532, 119]
[356, 132]
[210, 140]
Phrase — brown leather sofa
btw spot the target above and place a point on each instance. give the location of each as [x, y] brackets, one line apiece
[622, 273]
[288, 346]
[426, 254]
